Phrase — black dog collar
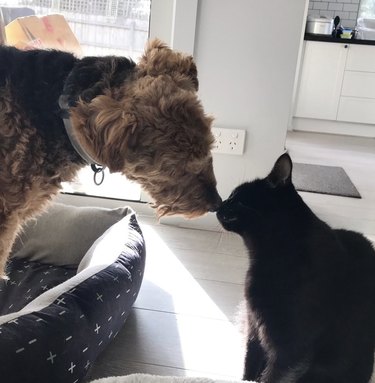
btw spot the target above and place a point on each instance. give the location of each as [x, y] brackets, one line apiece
[96, 168]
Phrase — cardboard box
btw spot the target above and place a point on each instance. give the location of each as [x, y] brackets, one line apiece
[47, 32]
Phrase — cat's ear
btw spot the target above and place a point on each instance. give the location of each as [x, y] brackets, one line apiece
[281, 173]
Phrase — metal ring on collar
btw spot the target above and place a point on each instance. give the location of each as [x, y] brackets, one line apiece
[98, 170]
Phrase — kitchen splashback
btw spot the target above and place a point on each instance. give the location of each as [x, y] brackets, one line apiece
[346, 9]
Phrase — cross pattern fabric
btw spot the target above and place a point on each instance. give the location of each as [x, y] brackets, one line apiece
[59, 341]
[27, 280]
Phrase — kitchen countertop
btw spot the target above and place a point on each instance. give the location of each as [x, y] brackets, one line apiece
[330, 39]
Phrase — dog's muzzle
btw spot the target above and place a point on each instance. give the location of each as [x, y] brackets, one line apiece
[216, 204]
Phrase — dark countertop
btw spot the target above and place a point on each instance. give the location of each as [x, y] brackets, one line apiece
[330, 39]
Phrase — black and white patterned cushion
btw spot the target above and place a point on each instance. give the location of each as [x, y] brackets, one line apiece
[28, 280]
[55, 322]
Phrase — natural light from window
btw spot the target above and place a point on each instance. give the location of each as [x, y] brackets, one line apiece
[179, 292]
[367, 9]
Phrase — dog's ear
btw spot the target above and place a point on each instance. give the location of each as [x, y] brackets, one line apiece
[158, 59]
[93, 76]
[104, 127]
[155, 44]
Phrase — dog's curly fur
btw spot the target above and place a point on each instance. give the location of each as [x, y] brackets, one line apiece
[143, 120]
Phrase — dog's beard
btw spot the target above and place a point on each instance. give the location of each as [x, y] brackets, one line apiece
[191, 202]
[166, 210]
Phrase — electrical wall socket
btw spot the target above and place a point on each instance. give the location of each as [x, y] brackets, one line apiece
[229, 141]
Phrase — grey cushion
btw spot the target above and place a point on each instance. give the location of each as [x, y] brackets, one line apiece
[63, 234]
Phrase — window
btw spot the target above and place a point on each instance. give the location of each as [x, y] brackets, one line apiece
[367, 9]
[103, 27]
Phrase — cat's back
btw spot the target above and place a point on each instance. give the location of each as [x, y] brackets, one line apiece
[358, 248]
[360, 255]
[360, 270]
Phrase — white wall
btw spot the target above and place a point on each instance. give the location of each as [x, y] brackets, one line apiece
[246, 53]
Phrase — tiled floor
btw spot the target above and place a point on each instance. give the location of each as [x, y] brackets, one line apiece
[184, 320]
[357, 156]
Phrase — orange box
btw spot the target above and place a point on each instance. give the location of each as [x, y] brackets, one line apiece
[46, 32]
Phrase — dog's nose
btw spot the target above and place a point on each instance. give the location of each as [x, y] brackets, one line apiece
[216, 204]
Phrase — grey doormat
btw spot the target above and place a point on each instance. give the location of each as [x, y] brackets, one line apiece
[324, 180]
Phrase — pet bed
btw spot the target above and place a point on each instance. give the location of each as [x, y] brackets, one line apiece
[146, 378]
[73, 277]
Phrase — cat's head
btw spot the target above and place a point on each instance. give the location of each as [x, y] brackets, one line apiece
[255, 204]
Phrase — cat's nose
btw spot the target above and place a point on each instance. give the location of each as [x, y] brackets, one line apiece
[226, 214]
[221, 215]
[226, 217]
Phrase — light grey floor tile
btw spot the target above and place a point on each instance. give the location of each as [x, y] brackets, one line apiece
[209, 299]
[185, 342]
[213, 266]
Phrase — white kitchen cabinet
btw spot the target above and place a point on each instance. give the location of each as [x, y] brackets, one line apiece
[321, 80]
[337, 83]
[357, 101]
[361, 58]
[358, 84]
[355, 109]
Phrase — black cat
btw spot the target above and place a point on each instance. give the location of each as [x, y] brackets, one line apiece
[310, 289]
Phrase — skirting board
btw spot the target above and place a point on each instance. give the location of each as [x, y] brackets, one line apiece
[333, 127]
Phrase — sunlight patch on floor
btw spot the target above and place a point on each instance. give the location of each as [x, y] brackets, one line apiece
[166, 271]
[198, 319]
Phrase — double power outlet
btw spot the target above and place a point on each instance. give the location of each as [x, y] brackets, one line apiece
[229, 141]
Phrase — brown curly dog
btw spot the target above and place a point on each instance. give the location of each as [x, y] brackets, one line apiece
[143, 120]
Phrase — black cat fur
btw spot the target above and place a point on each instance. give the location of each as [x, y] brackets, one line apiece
[310, 289]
